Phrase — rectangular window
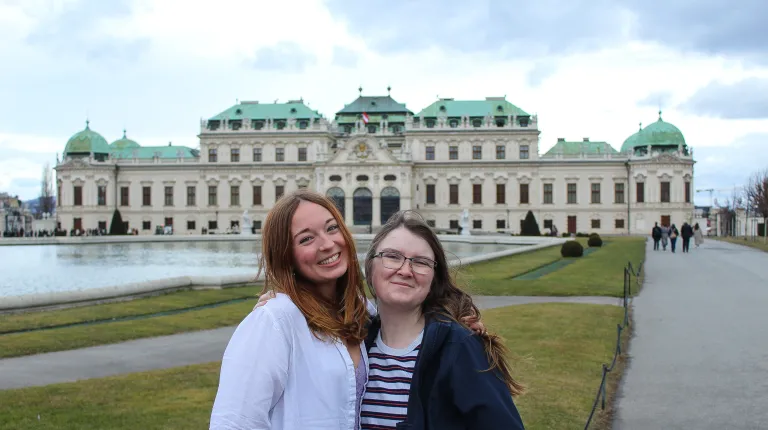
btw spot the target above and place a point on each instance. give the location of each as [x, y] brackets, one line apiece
[212, 155]
[191, 195]
[213, 225]
[102, 226]
[256, 155]
[102, 195]
[431, 223]
[191, 225]
[234, 195]
[169, 222]
[213, 195]
[501, 152]
[618, 193]
[619, 223]
[524, 152]
[453, 224]
[78, 194]
[687, 192]
[501, 193]
[302, 154]
[548, 197]
[500, 224]
[430, 194]
[279, 154]
[453, 194]
[58, 194]
[477, 194]
[477, 224]
[279, 191]
[124, 196]
[430, 153]
[453, 152]
[257, 225]
[169, 196]
[234, 155]
[595, 198]
[524, 197]
[257, 195]
[572, 199]
[640, 192]
[595, 223]
[146, 196]
[477, 152]
[548, 223]
[665, 195]
[146, 225]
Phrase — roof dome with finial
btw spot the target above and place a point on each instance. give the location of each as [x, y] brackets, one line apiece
[86, 142]
[124, 143]
[659, 134]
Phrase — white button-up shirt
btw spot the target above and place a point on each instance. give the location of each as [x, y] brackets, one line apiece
[277, 375]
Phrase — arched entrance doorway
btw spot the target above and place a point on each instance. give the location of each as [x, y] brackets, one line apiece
[390, 203]
[362, 206]
[337, 195]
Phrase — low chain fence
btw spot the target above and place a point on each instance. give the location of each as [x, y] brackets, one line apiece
[632, 279]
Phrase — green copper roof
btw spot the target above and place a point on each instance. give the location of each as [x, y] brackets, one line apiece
[170, 151]
[658, 134]
[584, 147]
[376, 104]
[256, 110]
[123, 143]
[86, 141]
[494, 106]
[373, 119]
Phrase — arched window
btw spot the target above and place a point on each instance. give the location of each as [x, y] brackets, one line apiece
[337, 195]
[362, 206]
[390, 203]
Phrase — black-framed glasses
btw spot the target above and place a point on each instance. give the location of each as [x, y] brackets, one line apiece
[395, 260]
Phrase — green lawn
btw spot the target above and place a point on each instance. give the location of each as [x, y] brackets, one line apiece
[756, 242]
[559, 350]
[598, 274]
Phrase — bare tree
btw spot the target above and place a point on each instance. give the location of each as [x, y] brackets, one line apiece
[728, 212]
[757, 197]
[46, 191]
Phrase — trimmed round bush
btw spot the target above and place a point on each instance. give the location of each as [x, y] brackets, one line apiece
[594, 241]
[572, 248]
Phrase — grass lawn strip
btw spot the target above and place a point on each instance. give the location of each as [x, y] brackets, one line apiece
[756, 243]
[560, 347]
[143, 306]
[552, 267]
[83, 336]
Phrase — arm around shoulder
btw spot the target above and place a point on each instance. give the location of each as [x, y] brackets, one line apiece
[479, 394]
[253, 373]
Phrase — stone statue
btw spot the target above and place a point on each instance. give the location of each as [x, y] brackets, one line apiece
[464, 223]
[247, 224]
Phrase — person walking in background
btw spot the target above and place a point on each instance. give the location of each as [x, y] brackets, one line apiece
[673, 234]
[664, 237]
[656, 236]
[698, 235]
[686, 232]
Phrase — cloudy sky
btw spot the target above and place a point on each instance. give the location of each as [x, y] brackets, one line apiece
[588, 68]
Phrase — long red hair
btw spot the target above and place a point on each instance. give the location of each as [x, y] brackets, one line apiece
[344, 317]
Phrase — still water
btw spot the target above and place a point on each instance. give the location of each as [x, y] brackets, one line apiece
[52, 268]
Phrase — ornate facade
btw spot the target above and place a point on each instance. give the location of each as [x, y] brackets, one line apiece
[374, 158]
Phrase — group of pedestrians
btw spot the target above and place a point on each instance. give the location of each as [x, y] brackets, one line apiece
[667, 235]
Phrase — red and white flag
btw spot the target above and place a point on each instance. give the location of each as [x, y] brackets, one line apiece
[365, 118]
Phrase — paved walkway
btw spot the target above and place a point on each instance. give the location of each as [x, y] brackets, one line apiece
[171, 351]
[699, 357]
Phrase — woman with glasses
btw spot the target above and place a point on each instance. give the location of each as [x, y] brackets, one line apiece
[427, 371]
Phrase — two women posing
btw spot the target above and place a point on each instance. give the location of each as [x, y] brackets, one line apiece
[319, 356]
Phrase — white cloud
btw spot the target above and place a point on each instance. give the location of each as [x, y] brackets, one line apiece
[195, 59]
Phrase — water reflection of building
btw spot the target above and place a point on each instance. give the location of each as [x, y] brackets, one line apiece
[376, 157]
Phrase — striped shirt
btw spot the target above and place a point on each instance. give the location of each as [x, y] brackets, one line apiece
[385, 402]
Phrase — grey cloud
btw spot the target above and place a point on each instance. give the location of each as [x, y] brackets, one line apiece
[745, 99]
[728, 166]
[515, 29]
[285, 56]
[345, 57]
[658, 100]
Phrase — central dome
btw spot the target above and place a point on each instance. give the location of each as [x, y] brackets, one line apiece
[86, 142]
[660, 135]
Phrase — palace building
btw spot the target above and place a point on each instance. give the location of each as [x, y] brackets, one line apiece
[374, 158]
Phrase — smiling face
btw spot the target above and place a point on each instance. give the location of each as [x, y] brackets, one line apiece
[319, 249]
[402, 288]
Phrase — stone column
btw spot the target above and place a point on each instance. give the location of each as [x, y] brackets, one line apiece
[348, 210]
[376, 221]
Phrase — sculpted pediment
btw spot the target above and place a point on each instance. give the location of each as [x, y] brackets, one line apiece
[363, 150]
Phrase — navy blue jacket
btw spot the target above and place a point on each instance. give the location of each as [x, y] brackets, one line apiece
[451, 388]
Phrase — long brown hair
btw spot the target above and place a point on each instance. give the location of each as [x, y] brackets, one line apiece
[445, 298]
[345, 316]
